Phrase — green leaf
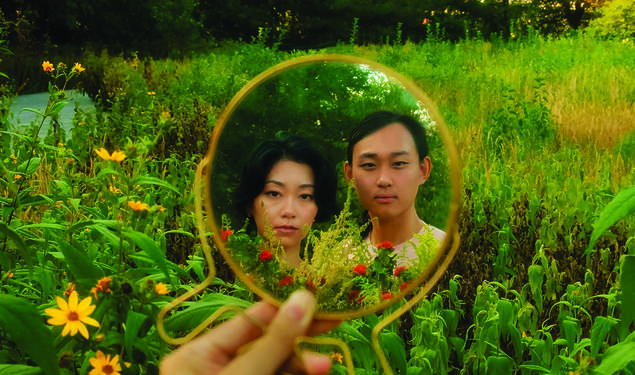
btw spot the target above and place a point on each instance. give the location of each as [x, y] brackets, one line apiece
[499, 365]
[152, 250]
[145, 180]
[627, 286]
[18, 243]
[80, 266]
[601, 328]
[32, 166]
[19, 370]
[395, 350]
[622, 205]
[196, 312]
[21, 320]
[107, 171]
[134, 320]
[56, 108]
[616, 358]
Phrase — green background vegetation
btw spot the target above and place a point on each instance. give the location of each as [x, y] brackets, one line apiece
[544, 126]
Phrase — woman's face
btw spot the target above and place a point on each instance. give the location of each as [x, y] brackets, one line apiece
[287, 203]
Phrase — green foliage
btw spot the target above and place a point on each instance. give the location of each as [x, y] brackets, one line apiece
[616, 20]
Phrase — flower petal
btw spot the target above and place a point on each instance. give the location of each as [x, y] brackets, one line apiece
[61, 302]
[83, 331]
[67, 329]
[72, 301]
[90, 321]
[85, 305]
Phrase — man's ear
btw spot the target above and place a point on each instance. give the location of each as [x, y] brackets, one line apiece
[348, 171]
[424, 168]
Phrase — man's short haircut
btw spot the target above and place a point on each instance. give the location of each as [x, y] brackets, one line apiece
[379, 120]
[293, 148]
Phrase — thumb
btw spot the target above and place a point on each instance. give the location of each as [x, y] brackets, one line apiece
[268, 353]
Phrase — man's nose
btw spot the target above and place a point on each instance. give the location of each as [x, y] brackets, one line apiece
[384, 178]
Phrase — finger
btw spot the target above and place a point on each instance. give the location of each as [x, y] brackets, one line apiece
[213, 350]
[268, 353]
[319, 327]
[310, 363]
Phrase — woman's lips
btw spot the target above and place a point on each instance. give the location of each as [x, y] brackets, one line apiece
[285, 228]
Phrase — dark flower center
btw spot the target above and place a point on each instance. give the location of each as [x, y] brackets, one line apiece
[107, 369]
[73, 316]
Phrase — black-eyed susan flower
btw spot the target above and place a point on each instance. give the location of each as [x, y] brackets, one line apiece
[73, 315]
[116, 156]
[104, 365]
[47, 66]
[161, 288]
[138, 206]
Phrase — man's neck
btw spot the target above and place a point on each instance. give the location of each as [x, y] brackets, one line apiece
[397, 230]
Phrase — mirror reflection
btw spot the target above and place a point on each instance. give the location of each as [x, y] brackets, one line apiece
[331, 177]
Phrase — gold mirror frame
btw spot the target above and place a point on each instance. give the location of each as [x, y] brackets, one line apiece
[449, 246]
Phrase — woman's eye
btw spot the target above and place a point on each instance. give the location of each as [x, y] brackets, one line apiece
[307, 197]
[272, 193]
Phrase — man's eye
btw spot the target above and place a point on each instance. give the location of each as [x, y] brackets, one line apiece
[400, 164]
[367, 165]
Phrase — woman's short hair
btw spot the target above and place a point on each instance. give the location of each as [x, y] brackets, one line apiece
[293, 148]
[378, 120]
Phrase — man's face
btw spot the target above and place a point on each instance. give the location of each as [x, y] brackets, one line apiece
[387, 172]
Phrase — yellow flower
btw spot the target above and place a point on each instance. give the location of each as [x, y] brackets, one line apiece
[70, 288]
[161, 288]
[138, 206]
[78, 67]
[150, 93]
[72, 315]
[337, 357]
[47, 66]
[103, 365]
[103, 285]
[114, 190]
[17, 176]
[116, 156]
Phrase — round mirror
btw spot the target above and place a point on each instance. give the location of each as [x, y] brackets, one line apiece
[289, 211]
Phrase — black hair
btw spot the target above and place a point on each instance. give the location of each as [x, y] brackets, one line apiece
[379, 120]
[293, 148]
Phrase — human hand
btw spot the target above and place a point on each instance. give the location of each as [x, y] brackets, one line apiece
[217, 351]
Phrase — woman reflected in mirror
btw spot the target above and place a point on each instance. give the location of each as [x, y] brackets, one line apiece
[286, 186]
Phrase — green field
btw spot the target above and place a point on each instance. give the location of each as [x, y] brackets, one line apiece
[545, 131]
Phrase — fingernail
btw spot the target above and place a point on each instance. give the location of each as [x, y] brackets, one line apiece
[300, 307]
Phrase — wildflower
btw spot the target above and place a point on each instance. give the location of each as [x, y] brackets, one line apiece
[60, 144]
[114, 190]
[161, 288]
[47, 66]
[117, 156]
[17, 176]
[360, 269]
[150, 93]
[9, 274]
[425, 21]
[138, 206]
[72, 315]
[524, 334]
[403, 285]
[224, 233]
[265, 255]
[78, 68]
[103, 365]
[103, 285]
[353, 295]
[337, 357]
[287, 280]
[310, 286]
[70, 288]
[160, 208]
[14, 159]
[386, 295]
[99, 337]
[58, 204]
[399, 270]
[387, 245]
